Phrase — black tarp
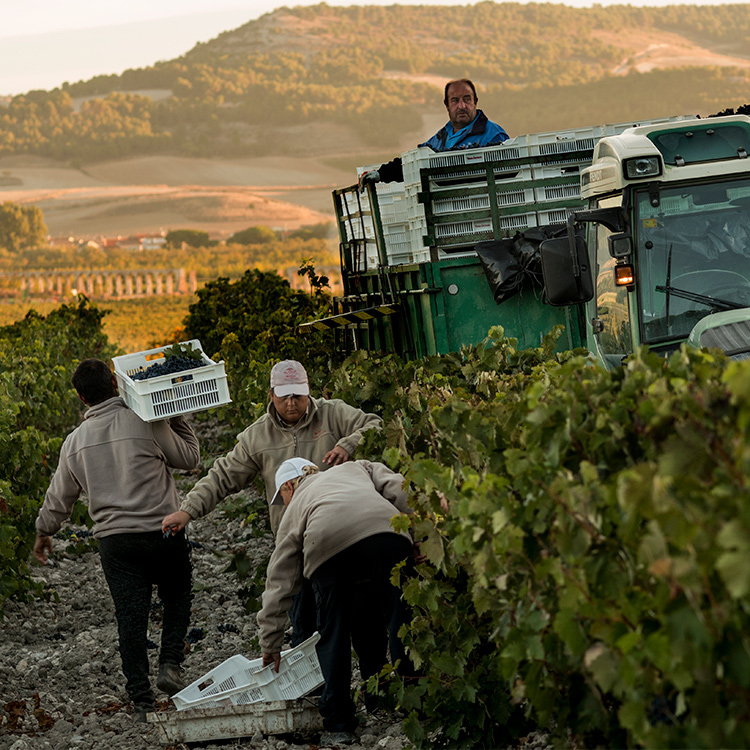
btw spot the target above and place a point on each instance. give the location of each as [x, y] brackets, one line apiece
[514, 262]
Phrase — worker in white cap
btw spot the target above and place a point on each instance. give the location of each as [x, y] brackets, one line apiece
[337, 532]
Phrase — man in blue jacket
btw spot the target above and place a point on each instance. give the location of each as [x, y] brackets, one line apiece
[467, 127]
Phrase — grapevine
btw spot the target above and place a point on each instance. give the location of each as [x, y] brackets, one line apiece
[587, 538]
[586, 531]
[37, 408]
[586, 534]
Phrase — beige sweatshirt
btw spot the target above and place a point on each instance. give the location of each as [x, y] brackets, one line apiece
[263, 446]
[123, 464]
[328, 512]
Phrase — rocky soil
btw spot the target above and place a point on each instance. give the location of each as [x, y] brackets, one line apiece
[61, 686]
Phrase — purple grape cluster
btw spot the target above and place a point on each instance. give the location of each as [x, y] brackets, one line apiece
[169, 366]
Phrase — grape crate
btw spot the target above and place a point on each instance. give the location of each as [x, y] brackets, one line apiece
[162, 383]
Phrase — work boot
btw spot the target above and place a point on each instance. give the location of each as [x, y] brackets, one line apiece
[170, 678]
[141, 709]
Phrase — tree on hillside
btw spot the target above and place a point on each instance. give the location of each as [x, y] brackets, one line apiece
[21, 227]
[190, 237]
[313, 231]
[259, 235]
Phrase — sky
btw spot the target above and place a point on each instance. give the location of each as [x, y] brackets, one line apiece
[44, 43]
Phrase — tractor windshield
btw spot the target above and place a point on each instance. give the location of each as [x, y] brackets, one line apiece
[693, 255]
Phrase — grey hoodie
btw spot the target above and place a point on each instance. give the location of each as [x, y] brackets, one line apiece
[123, 464]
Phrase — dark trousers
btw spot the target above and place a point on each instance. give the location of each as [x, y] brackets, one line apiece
[303, 614]
[357, 606]
[132, 564]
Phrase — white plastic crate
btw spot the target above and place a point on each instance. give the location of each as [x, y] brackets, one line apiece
[521, 146]
[390, 195]
[417, 231]
[173, 394]
[553, 171]
[461, 204]
[360, 229]
[554, 216]
[399, 252]
[549, 193]
[356, 205]
[458, 228]
[299, 673]
[394, 213]
[365, 255]
[232, 722]
[504, 175]
[359, 224]
[423, 158]
[510, 223]
[415, 209]
[416, 159]
[397, 242]
[235, 673]
[238, 681]
[408, 257]
[457, 251]
[392, 202]
[394, 230]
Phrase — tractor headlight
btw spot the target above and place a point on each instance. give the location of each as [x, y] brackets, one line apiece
[641, 166]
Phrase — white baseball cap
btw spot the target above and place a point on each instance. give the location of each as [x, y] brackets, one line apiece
[288, 378]
[290, 469]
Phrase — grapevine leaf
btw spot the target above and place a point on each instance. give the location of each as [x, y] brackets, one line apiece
[734, 568]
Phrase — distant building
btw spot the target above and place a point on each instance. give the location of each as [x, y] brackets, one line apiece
[65, 241]
[153, 242]
[133, 242]
[143, 242]
[111, 242]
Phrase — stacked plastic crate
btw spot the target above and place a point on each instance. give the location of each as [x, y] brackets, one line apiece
[359, 223]
[239, 681]
[358, 228]
[394, 218]
[534, 182]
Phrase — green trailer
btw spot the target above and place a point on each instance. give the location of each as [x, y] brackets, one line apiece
[413, 281]
[416, 309]
[435, 307]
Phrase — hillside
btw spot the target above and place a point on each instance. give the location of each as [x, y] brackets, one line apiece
[257, 125]
[153, 193]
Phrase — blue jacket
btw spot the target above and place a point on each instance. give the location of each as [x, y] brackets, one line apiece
[483, 132]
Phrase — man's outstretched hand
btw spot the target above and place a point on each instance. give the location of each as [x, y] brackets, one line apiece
[42, 547]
